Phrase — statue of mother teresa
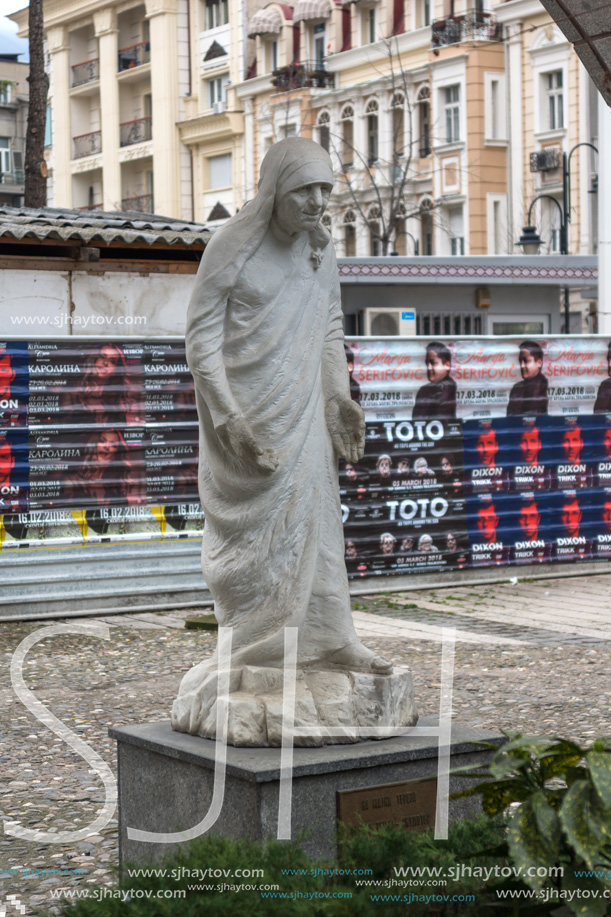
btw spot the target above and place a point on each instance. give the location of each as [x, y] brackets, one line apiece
[265, 347]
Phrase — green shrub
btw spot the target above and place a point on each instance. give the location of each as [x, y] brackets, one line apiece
[377, 850]
[561, 796]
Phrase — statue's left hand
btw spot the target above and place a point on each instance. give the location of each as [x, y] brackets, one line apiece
[346, 424]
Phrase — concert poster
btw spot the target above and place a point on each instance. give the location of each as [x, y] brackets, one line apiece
[14, 384]
[169, 395]
[85, 384]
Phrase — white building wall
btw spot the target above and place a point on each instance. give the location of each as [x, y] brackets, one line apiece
[41, 303]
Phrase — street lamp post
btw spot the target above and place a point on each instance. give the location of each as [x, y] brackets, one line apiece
[415, 241]
[531, 241]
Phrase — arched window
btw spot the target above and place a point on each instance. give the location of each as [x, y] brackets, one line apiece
[371, 113]
[324, 130]
[347, 119]
[424, 120]
[349, 234]
[373, 221]
[398, 125]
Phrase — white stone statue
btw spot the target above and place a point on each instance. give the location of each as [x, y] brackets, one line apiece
[265, 346]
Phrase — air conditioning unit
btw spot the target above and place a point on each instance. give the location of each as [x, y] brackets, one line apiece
[218, 108]
[545, 160]
[374, 322]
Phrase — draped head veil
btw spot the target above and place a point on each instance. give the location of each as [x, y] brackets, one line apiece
[289, 164]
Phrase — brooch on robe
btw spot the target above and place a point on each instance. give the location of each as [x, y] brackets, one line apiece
[317, 257]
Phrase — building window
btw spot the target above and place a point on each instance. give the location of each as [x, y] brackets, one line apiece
[400, 238]
[554, 241]
[219, 171]
[495, 110]
[398, 17]
[448, 323]
[375, 245]
[324, 133]
[371, 113]
[371, 25]
[5, 154]
[5, 92]
[398, 126]
[457, 231]
[320, 45]
[496, 209]
[347, 137]
[424, 121]
[452, 110]
[423, 13]
[426, 228]
[217, 90]
[217, 13]
[375, 242]
[346, 29]
[555, 100]
[349, 234]
[273, 56]
[48, 127]
[147, 104]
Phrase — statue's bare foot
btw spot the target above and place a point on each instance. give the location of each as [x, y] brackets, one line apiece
[357, 658]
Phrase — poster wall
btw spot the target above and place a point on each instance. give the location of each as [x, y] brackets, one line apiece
[478, 453]
[98, 443]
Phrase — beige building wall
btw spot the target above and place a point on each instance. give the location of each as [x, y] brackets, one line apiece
[116, 102]
[487, 157]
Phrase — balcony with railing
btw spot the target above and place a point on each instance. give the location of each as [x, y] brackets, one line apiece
[141, 203]
[86, 144]
[17, 177]
[473, 25]
[85, 72]
[134, 56]
[305, 75]
[136, 131]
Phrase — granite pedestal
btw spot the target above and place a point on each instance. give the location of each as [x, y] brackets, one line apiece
[166, 782]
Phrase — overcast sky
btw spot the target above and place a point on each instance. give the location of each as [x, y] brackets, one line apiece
[9, 42]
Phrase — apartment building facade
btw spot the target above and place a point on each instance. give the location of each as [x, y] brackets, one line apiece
[117, 76]
[13, 122]
[444, 121]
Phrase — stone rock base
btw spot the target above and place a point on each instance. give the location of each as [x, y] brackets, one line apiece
[324, 699]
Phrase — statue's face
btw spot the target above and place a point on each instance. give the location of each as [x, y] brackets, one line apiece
[301, 209]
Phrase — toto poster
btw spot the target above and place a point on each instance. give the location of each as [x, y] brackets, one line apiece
[478, 453]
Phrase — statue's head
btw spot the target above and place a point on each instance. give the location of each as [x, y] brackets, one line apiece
[303, 183]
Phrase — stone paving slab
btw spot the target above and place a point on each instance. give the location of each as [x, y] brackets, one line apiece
[511, 672]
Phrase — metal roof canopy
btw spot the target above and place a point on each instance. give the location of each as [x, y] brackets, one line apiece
[577, 271]
[129, 227]
[587, 25]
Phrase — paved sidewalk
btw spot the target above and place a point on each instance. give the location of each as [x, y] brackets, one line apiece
[530, 656]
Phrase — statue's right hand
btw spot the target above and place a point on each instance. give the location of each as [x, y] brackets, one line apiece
[237, 437]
